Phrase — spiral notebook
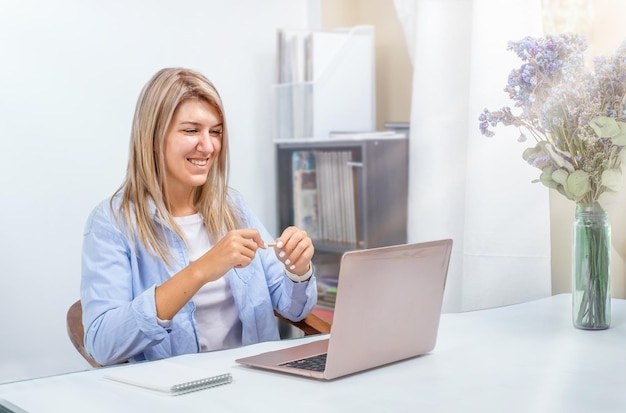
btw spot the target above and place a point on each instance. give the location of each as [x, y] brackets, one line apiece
[166, 377]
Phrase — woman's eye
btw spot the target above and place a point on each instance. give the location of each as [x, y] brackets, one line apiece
[215, 133]
[191, 131]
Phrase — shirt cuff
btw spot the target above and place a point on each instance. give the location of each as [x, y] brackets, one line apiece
[300, 278]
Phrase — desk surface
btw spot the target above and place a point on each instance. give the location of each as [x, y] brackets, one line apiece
[522, 358]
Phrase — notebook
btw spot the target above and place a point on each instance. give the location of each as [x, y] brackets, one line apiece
[387, 309]
[166, 377]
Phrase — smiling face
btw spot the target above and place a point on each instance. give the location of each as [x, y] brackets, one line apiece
[192, 143]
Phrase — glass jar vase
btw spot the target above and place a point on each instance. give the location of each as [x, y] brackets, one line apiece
[591, 259]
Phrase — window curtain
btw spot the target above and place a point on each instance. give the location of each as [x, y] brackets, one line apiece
[476, 190]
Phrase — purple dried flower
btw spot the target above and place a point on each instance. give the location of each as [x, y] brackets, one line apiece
[555, 99]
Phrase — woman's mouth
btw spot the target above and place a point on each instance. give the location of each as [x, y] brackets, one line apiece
[199, 162]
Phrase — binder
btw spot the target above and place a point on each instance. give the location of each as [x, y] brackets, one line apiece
[166, 377]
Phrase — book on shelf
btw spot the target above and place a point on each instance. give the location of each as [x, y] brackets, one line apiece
[165, 376]
[383, 134]
[398, 125]
[326, 218]
[349, 197]
[305, 196]
[327, 290]
[336, 192]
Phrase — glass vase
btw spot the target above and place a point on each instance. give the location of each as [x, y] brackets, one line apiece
[591, 282]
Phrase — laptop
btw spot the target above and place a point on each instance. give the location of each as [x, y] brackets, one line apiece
[387, 309]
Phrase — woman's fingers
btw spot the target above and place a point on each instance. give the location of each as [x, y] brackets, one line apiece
[295, 249]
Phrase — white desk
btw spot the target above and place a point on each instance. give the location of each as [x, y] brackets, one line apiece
[521, 358]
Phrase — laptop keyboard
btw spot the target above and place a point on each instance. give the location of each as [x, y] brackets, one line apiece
[315, 363]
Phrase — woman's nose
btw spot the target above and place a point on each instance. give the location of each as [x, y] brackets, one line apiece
[206, 143]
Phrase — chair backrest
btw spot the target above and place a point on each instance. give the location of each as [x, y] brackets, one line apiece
[76, 332]
[312, 324]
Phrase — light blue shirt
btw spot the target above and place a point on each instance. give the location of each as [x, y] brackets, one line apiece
[118, 284]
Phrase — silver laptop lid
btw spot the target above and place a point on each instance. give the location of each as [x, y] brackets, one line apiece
[388, 305]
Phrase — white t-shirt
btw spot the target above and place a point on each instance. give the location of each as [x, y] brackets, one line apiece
[216, 314]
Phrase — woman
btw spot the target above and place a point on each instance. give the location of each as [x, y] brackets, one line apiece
[175, 262]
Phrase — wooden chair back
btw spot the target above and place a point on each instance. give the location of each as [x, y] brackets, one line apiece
[76, 332]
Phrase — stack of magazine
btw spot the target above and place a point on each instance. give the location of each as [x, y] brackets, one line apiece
[324, 199]
[327, 290]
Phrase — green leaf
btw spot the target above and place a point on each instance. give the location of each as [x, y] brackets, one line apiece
[558, 157]
[563, 192]
[605, 126]
[612, 179]
[578, 184]
[546, 177]
[620, 138]
[560, 176]
[530, 155]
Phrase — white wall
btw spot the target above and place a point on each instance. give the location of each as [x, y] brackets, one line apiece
[70, 74]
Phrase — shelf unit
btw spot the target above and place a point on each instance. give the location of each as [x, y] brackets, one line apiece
[381, 187]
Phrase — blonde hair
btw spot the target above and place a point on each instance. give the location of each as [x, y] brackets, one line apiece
[146, 174]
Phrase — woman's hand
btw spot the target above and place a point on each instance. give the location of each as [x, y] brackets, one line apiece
[236, 249]
[295, 249]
